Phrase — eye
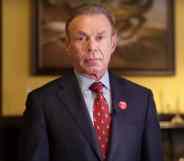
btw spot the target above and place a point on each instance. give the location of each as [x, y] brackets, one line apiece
[99, 37]
[79, 38]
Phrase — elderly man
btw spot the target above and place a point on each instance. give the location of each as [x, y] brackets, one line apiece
[89, 114]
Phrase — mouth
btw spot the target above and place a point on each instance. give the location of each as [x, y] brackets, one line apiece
[92, 62]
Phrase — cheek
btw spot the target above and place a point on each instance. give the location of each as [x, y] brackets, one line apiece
[107, 50]
[79, 59]
[75, 52]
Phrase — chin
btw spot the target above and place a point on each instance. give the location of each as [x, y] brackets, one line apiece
[96, 73]
[93, 70]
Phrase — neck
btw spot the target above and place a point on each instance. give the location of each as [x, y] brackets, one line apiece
[94, 76]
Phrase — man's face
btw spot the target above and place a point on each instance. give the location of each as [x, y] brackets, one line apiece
[90, 44]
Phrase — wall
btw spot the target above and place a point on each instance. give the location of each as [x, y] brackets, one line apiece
[17, 78]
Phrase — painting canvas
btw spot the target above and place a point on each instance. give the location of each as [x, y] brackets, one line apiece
[145, 36]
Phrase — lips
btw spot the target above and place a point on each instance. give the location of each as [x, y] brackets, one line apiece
[93, 61]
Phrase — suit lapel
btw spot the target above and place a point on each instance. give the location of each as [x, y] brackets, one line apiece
[71, 96]
[118, 93]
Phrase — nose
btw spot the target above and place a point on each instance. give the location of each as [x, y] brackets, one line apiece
[92, 45]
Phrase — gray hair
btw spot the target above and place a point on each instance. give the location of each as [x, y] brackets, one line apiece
[90, 9]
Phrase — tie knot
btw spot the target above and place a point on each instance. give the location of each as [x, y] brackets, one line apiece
[97, 87]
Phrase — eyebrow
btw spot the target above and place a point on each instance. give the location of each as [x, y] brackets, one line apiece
[81, 33]
[101, 33]
[84, 34]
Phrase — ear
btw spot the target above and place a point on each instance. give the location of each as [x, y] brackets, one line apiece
[114, 41]
[67, 44]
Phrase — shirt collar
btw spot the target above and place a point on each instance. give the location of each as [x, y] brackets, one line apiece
[85, 82]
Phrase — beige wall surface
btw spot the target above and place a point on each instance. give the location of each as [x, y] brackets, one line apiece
[17, 80]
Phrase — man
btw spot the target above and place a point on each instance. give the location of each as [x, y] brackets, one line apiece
[76, 118]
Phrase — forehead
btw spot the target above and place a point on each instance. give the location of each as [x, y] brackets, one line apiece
[90, 23]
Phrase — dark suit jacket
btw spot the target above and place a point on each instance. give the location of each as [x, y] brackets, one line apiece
[57, 126]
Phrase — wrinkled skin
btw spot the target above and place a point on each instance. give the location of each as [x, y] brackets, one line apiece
[90, 44]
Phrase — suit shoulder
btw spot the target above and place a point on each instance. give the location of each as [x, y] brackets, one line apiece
[130, 85]
[50, 88]
[47, 88]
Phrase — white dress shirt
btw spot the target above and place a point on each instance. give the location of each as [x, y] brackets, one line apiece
[89, 96]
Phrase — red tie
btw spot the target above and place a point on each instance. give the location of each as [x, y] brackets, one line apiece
[102, 118]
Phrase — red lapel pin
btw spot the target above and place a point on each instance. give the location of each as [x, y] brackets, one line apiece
[122, 105]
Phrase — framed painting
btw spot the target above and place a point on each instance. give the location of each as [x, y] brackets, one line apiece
[145, 36]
